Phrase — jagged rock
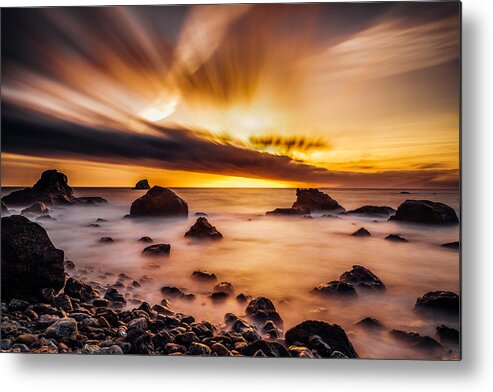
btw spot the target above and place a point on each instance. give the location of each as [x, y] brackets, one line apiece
[361, 232]
[376, 211]
[262, 309]
[313, 200]
[30, 261]
[362, 278]
[202, 229]
[370, 324]
[142, 184]
[425, 211]
[331, 334]
[159, 202]
[36, 209]
[76, 289]
[439, 302]
[451, 245]
[288, 211]
[415, 340]
[204, 276]
[335, 288]
[395, 238]
[448, 335]
[157, 250]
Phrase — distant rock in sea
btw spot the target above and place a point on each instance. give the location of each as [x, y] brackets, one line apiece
[30, 261]
[425, 211]
[373, 211]
[395, 238]
[437, 302]
[142, 184]
[362, 278]
[451, 245]
[159, 201]
[51, 189]
[309, 200]
[361, 232]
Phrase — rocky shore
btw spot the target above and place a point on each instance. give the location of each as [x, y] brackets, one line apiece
[49, 305]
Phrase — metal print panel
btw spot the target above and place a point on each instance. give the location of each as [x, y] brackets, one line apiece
[275, 180]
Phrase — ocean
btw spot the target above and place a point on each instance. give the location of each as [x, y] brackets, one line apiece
[282, 258]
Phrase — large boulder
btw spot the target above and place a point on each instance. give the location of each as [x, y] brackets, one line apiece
[331, 334]
[313, 200]
[203, 230]
[159, 201]
[362, 278]
[425, 211]
[30, 261]
[142, 184]
[439, 302]
[51, 189]
[373, 211]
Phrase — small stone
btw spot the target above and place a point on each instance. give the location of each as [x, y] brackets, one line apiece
[361, 232]
[395, 238]
[157, 250]
[106, 239]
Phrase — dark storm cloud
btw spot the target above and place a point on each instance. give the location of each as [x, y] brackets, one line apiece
[181, 149]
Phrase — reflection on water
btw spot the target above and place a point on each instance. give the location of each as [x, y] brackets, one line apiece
[282, 258]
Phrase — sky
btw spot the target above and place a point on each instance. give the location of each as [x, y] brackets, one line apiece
[284, 95]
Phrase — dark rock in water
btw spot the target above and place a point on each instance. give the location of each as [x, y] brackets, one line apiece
[439, 302]
[200, 214]
[30, 261]
[170, 291]
[425, 211]
[262, 309]
[106, 239]
[93, 225]
[331, 334]
[45, 218]
[219, 296]
[101, 220]
[405, 193]
[5, 210]
[224, 287]
[395, 238]
[362, 278]
[159, 202]
[76, 289]
[157, 250]
[145, 239]
[335, 288]
[199, 349]
[101, 303]
[69, 265]
[142, 184]
[90, 200]
[36, 209]
[204, 276]
[313, 200]
[114, 296]
[288, 211]
[370, 324]
[202, 229]
[242, 298]
[51, 188]
[448, 335]
[373, 211]
[416, 341]
[452, 245]
[361, 232]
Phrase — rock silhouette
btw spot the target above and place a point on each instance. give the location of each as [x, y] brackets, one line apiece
[203, 230]
[30, 261]
[159, 201]
[142, 184]
[425, 211]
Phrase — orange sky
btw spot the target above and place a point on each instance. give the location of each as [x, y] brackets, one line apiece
[233, 96]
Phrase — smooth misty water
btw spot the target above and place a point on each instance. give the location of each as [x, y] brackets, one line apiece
[282, 258]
